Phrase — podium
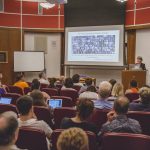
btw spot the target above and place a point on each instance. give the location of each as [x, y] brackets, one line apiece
[139, 76]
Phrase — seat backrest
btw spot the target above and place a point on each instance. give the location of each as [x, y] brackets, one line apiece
[14, 97]
[42, 85]
[143, 118]
[98, 117]
[44, 114]
[50, 91]
[66, 101]
[91, 137]
[27, 90]
[70, 93]
[15, 89]
[60, 113]
[31, 139]
[77, 87]
[132, 96]
[7, 107]
[125, 141]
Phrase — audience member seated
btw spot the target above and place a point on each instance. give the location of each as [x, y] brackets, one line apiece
[68, 84]
[88, 83]
[8, 131]
[36, 86]
[73, 139]
[2, 87]
[104, 93]
[20, 81]
[76, 80]
[133, 87]
[52, 82]
[90, 93]
[112, 82]
[38, 98]
[117, 91]
[43, 79]
[118, 121]
[84, 110]
[61, 80]
[27, 117]
[144, 102]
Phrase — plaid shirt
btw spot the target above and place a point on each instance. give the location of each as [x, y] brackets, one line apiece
[122, 124]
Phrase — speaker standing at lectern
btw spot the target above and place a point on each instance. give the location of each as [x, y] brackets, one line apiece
[139, 63]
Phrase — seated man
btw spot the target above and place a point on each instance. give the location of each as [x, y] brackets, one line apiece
[76, 80]
[43, 79]
[118, 121]
[133, 87]
[73, 139]
[27, 117]
[104, 93]
[84, 110]
[8, 131]
[144, 102]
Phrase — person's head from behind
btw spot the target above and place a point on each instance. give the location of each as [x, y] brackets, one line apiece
[68, 83]
[52, 81]
[91, 89]
[88, 81]
[133, 84]
[35, 84]
[24, 106]
[75, 78]
[112, 82]
[84, 108]
[145, 95]
[73, 139]
[8, 129]
[42, 75]
[121, 105]
[118, 90]
[38, 98]
[19, 77]
[105, 89]
[139, 59]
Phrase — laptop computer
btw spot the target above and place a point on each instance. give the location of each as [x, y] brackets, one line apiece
[5, 100]
[55, 103]
[134, 67]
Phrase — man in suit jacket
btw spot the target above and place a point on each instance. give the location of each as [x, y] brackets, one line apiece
[139, 62]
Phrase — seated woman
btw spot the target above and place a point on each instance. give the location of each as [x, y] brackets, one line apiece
[52, 82]
[68, 84]
[133, 87]
[84, 108]
[144, 101]
[36, 86]
[20, 82]
[117, 91]
[90, 93]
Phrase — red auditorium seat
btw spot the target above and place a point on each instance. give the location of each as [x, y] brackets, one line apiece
[77, 87]
[91, 136]
[50, 91]
[132, 96]
[66, 101]
[70, 93]
[31, 139]
[43, 86]
[27, 90]
[143, 118]
[15, 89]
[60, 113]
[43, 113]
[14, 97]
[7, 107]
[125, 141]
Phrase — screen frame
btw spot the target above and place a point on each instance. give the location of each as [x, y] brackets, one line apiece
[96, 28]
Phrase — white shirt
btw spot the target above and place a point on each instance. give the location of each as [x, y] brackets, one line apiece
[43, 81]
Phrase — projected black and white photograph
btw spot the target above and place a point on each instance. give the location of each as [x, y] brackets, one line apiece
[94, 44]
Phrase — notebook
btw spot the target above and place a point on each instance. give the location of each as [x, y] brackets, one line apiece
[55, 103]
[5, 100]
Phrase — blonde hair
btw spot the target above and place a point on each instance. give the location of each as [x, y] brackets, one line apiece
[73, 139]
[118, 90]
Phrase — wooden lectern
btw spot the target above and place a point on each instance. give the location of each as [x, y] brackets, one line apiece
[139, 76]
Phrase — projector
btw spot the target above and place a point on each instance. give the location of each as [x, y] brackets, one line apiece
[57, 1]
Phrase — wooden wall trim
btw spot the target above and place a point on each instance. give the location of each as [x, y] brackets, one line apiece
[137, 27]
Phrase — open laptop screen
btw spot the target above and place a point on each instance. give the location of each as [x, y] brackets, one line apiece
[55, 103]
[5, 100]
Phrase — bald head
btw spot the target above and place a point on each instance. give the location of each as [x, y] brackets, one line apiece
[121, 105]
[8, 128]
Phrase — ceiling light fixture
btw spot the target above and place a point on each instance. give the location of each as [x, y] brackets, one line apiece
[122, 1]
[47, 5]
